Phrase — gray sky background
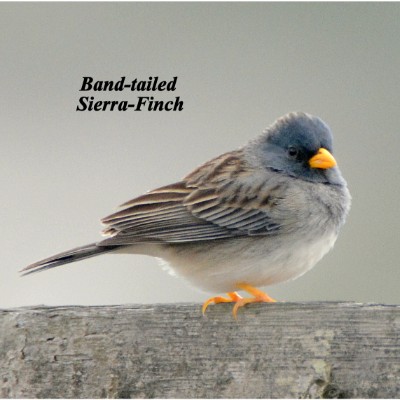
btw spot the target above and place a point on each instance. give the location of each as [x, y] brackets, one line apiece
[239, 67]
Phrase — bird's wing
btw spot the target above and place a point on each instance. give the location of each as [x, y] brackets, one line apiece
[221, 199]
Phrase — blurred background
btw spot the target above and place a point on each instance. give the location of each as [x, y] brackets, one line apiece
[239, 67]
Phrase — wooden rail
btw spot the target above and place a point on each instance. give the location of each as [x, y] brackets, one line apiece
[301, 350]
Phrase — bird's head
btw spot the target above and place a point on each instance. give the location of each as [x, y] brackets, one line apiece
[299, 145]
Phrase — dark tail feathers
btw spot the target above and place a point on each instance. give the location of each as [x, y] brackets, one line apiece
[79, 253]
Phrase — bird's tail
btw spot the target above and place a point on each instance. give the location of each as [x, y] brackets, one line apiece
[69, 256]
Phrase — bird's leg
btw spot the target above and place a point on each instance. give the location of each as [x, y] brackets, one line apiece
[233, 297]
[259, 297]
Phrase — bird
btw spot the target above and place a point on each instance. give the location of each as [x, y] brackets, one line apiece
[259, 215]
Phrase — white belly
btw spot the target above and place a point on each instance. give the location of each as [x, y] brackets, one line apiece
[220, 265]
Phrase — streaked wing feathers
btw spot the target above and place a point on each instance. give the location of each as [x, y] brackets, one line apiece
[213, 202]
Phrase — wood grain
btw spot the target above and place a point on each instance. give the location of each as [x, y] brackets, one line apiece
[283, 350]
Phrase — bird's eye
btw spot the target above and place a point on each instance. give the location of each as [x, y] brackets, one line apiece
[293, 152]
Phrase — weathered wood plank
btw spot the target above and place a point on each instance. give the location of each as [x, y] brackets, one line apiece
[171, 350]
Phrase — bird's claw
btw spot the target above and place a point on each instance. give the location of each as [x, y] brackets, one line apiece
[259, 297]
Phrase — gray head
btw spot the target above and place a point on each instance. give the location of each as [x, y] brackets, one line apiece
[299, 145]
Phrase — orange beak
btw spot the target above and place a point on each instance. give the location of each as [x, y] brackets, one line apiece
[323, 160]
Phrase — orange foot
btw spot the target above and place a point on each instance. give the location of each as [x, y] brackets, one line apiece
[259, 297]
